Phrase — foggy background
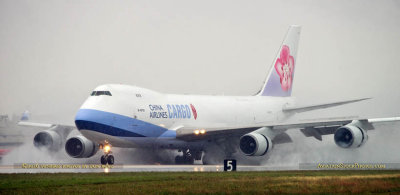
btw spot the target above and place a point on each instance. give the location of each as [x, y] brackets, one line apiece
[54, 53]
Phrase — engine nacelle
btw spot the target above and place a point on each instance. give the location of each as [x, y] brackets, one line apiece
[80, 147]
[255, 144]
[49, 139]
[350, 136]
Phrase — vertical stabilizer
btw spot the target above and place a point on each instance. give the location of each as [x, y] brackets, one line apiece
[280, 77]
[25, 116]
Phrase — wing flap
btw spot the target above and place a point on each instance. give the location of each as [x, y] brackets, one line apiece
[318, 132]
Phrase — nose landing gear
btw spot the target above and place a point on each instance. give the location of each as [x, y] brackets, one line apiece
[107, 158]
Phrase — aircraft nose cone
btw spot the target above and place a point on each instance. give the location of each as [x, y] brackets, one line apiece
[80, 118]
[87, 119]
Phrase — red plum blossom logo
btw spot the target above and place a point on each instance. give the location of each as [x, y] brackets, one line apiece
[194, 111]
[284, 66]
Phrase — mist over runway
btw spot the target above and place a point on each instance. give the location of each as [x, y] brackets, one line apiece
[381, 148]
[142, 168]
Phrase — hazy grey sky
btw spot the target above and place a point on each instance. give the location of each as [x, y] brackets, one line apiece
[53, 53]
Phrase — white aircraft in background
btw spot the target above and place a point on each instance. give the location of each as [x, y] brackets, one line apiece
[132, 117]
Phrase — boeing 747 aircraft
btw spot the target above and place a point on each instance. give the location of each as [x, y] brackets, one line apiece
[196, 125]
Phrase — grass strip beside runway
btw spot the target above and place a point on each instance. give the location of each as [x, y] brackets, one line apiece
[202, 182]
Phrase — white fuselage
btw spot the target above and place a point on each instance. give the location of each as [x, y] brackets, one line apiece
[137, 117]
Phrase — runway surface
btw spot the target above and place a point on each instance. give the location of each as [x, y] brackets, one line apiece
[73, 168]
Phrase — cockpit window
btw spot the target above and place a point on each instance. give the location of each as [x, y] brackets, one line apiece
[97, 93]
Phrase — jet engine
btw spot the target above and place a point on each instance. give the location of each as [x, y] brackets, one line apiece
[48, 139]
[80, 147]
[350, 136]
[255, 144]
[53, 138]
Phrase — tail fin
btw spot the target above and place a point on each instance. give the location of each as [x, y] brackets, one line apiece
[25, 116]
[280, 78]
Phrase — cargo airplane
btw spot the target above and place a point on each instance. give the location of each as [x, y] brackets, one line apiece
[116, 115]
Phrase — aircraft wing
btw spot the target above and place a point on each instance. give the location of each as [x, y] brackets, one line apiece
[306, 108]
[63, 130]
[33, 124]
[43, 125]
[26, 122]
[310, 128]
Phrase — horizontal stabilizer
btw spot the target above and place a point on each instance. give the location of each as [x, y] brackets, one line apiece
[319, 106]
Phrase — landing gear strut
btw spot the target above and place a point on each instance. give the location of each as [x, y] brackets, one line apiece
[107, 158]
[188, 157]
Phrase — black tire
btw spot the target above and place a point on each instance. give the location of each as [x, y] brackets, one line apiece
[178, 160]
[103, 160]
[205, 160]
[189, 160]
[110, 159]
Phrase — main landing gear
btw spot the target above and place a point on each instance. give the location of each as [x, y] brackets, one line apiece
[188, 157]
[107, 158]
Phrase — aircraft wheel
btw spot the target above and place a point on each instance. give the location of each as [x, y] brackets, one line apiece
[178, 160]
[188, 160]
[205, 160]
[110, 159]
[103, 160]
